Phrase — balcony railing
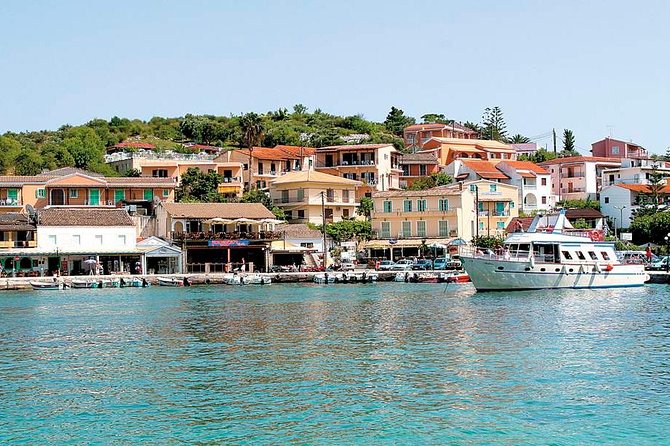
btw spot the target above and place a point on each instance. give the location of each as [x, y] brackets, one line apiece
[566, 174]
[231, 180]
[205, 236]
[10, 202]
[18, 243]
[289, 199]
[573, 190]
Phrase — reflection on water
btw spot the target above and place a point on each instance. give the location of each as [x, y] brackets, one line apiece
[345, 364]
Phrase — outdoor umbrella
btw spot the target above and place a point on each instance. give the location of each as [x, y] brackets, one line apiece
[245, 220]
[90, 262]
[218, 221]
[272, 220]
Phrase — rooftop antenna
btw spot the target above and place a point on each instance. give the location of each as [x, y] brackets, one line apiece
[610, 128]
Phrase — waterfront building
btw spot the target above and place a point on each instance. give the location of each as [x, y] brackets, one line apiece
[375, 165]
[450, 149]
[615, 148]
[298, 245]
[405, 220]
[74, 240]
[75, 187]
[417, 165]
[578, 177]
[417, 135]
[299, 195]
[18, 236]
[217, 237]
[269, 163]
[533, 183]
[162, 257]
[160, 164]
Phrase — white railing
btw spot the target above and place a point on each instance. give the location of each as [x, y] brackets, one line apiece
[151, 155]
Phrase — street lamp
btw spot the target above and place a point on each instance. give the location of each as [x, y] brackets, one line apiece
[620, 209]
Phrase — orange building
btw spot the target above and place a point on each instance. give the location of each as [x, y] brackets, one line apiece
[75, 187]
[417, 135]
[450, 149]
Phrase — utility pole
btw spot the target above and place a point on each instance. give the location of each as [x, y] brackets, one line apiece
[553, 131]
[323, 228]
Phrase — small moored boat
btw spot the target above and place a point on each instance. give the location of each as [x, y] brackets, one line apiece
[255, 279]
[79, 283]
[323, 278]
[47, 285]
[170, 281]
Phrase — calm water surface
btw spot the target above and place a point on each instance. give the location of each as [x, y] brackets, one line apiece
[345, 364]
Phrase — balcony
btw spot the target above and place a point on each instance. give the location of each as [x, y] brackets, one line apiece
[206, 236]
[231, 180]
[289, 199]
[573, 190]
[530, 186]
[568, 174]
[10, 202]
[18, 244]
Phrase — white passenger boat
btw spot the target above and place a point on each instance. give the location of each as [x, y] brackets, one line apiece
[550, 255]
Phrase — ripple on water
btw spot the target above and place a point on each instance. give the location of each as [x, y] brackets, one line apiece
[392, 363]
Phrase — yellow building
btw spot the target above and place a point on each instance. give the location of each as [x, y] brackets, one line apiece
[404, 220]
[299, 195]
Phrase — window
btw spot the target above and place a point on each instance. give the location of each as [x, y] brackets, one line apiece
[166, 192]
[544, 200]
[406, 228]
[284, 196]
[407, 206]
[443, 204]
[493, 187]
[74, 193]
[593, 255]
[119, 195]
[615, 150]
[273, 168]
[473, 188]
[388, 206]
[307, 245]
[443, 228]
[245, 166]
[345, 213]
[76, 240]
[288, 215]
[500, 225]
[148, 194]
[386, 229]
[330, 195]
[607, 200]
[159, 173]
[481, 225]
[421, 228]
[511, 205]
[567, 255]
[300, 195]
[12, 196]
[421, 205]
[301, 213]
[53, 240]
[543, 181]
[260, 168]
[122, 240]
[422, 170]
[98, 240]
[580, 255]
[605, 256]
[41, 193]
[345, 196]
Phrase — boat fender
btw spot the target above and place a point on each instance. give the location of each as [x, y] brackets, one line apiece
[565, 270]
[207, 281]
[598, 268]
[532, 262]
[609, 267]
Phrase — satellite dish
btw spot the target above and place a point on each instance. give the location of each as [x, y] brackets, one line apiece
[30, 209]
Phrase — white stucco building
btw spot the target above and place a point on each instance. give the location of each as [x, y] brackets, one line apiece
[578, 177]
[533, 181]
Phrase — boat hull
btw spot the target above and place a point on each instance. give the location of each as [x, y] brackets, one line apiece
[499, 275]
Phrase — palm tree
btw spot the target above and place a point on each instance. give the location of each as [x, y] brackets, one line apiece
[519, 139]
[252, 134]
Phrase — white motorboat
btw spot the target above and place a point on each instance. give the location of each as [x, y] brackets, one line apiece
[550, 255]
[82, 283]
[255, 279]
[170, 281]
[45, 286]
[233, 279]
[323, 278]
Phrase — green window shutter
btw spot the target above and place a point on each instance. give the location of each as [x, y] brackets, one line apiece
[148, 194]
[94, 197]
[119, 195]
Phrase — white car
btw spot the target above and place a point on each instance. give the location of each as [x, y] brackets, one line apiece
[402, 265]
[347, 266]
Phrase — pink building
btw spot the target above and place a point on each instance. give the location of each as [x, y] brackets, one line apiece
[615, 148]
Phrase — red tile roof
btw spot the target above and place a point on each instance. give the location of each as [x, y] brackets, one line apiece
[221, 210]
[355, 146]
[526, 165]
[84, 217]
[437, 126]
[484, 169]
[297, 150]
[642, 188]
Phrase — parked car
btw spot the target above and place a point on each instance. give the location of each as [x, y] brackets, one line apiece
[347, 266]
[440, 263]
[385, 265]
[659, 264]
[402, 265]
[423, 264]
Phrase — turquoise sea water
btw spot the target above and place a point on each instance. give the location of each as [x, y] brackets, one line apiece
[341, 364]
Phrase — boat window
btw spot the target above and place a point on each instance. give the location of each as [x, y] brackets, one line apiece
[593, 255]
[524, 249]
[605, 256]
[581, 255]
[567, 255]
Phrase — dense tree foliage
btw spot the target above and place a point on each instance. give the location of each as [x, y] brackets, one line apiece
[396, 121]
[519, 139]
[539, 156]
[348, 229]
[651, 228]
[433, 180]
[579, 204]
[494, 126]
[197, 186]
[366, 207]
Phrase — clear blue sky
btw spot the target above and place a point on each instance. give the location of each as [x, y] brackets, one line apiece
[583, 65]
